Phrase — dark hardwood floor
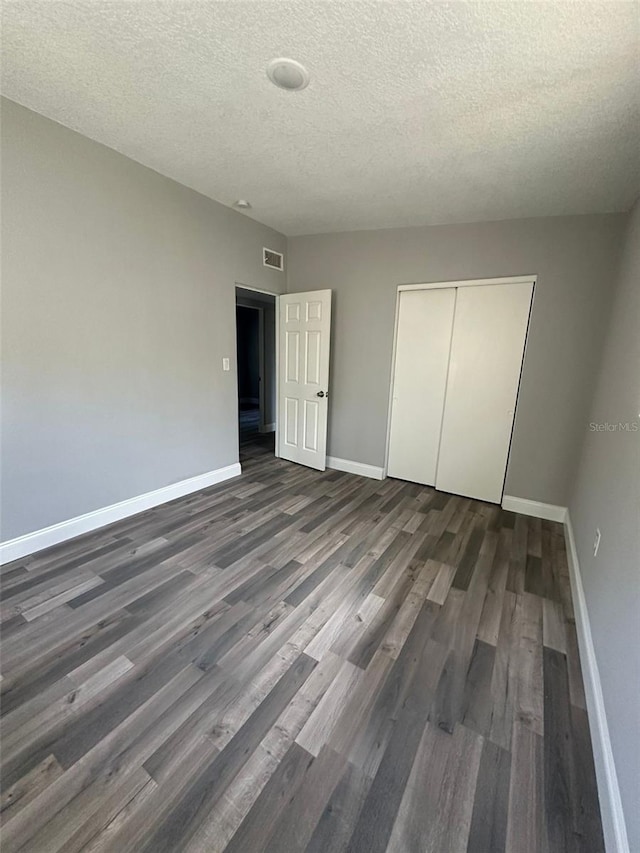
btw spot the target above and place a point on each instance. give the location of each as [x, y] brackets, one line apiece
[297, 661]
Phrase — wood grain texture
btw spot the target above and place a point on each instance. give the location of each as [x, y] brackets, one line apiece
[297, 661]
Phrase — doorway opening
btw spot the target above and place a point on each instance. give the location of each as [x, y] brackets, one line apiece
[256, 360]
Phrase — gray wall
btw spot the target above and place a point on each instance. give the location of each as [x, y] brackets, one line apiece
[606, 494]
[118, 305]
[573, 258]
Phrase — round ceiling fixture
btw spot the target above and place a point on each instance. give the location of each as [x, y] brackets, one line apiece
[242, 204]
[288, 74]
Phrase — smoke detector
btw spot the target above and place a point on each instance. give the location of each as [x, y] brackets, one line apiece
[288, 74]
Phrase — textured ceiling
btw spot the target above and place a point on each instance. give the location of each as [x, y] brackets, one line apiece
[417, 112]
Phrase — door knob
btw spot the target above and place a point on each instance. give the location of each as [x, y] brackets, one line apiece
[320, 394]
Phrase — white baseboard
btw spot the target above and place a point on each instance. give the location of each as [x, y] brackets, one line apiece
[550, 512]
[613, 823]
[267, 428]
[360, 468]
[14, 549]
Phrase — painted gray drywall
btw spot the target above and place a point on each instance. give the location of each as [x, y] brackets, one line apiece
[268, 306]
[572, 257]
[118, 298]
[606, 495]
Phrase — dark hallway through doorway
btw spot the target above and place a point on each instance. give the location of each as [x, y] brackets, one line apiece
[256, 345]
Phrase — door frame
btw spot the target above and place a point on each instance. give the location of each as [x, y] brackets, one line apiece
[276, 301]
[439, 285]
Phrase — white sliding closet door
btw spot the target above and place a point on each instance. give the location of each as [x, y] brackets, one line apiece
[487, 346]
[425, 320]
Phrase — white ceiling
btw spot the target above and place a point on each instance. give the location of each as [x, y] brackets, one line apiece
[417, 112]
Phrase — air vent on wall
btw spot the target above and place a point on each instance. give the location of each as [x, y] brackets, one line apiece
[272, 259]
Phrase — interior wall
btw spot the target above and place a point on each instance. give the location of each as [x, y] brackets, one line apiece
[606, 495]
[118, 297]
[572, 257]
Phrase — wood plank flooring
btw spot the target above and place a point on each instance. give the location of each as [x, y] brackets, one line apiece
[297, 661]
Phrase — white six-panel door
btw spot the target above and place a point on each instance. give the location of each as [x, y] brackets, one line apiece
[423, 339]
[303, 372]
[489, 332]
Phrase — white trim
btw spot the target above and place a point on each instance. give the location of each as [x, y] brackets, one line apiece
[267, 428]
[14, 549]
[538, 510]
[257, 289]
[371, 471]
[613, 823]
[471, 282]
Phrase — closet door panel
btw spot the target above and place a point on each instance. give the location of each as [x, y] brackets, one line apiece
[425, 320]
[487, 347]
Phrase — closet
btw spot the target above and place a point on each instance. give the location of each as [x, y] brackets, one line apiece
[459, 351]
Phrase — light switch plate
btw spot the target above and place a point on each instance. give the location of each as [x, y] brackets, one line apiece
[225, 364]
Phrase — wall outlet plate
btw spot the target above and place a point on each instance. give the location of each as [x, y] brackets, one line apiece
[225, 364]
